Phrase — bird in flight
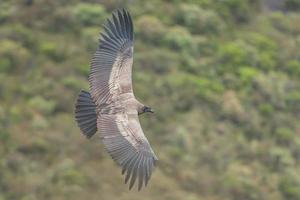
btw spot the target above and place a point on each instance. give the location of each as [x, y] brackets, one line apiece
[111, 107]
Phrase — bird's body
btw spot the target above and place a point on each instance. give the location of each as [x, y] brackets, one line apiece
[111, 106]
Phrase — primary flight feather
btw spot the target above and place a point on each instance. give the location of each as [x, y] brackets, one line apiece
[111, 106]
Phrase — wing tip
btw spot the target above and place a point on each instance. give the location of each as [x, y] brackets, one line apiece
[142, 173]
[120, 24]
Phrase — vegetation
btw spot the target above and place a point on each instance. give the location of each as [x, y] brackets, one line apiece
[222, 76]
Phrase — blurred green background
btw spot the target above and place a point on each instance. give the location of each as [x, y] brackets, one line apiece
[222, 75]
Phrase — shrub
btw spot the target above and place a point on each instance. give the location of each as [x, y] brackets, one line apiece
[239, 183]
[273, 88]
[247, 74]
[12, 56]
[280, 22]
[266, 61]
[206, 88]
[42, 105]
[67, 174]
[292, 4]
[199, 20]
[157, 60]
[293, 101]
[21, 34]
[293, 67]
[284, 135]
[266, 109]
[232, 55]
[37, 147]
[5, 64]
[266, 50]
[83, 69]
[232, 106]
[52, 50]
[150, 29]
[39, 122]
[289, 186]
[280, 158]
[72, 82]
[178, 38]
[4, 135]
[194, 89]
[261, 42]
[17, 114]
[90, 36]
[89, 14]
[239, 11]
[294, 19]
[63, 20]
[261, 51]
[5, 11]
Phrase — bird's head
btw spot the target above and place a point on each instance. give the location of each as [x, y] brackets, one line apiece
[146, 109]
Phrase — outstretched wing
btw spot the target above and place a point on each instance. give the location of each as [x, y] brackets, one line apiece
[111, 66]
[125, 141]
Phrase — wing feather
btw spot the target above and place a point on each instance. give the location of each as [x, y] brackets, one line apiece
[111, 65]
[141, 173]
[125, 141]
[110, 77]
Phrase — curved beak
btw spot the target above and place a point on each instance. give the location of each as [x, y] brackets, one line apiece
[149, 110]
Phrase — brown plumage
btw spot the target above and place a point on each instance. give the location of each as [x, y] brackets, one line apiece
[111, 106]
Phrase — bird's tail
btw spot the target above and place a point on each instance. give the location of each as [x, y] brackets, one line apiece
[85, 114]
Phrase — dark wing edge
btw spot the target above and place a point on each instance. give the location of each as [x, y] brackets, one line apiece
[117, 37]
[116, 30]
[136, 157]
[85, 114]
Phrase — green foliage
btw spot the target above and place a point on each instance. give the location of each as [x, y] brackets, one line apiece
[292, 4]
[221, 75]
[53, 50]
[72, 83]
[5, 64]
[239, 183]
[83, 69]
[20, 33]
[39, 122]
[232, 107]
[284, 135]
[69, 176]
[150, 29]
[289, 186]
[12, 56]
[280, 22]
[266, 109]
[89, 14]
[42, 105]
[293, 67]
[199, 20]
[178, 38]
[233, 55]
[240, 11]
[157, 61]
[5, 11]
[4, 136]
[274, 88]
[293, 100]
[90, 36]
[247, 73]
[37, 147]
[280, 159]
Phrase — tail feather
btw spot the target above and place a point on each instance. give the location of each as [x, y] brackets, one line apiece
[85, 114]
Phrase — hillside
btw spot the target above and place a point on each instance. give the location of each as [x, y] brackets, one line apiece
[222, 76]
